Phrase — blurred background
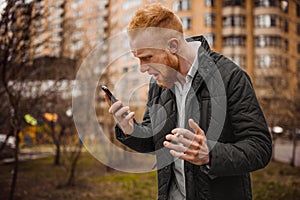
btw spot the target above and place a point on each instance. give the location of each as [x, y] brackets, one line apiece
[43, 43]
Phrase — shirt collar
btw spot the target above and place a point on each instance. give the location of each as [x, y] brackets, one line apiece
[192, 71]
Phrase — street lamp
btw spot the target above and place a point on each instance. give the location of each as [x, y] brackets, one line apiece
[277, 130]
[69, 112]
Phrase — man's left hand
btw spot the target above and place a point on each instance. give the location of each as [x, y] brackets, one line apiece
[187, 145]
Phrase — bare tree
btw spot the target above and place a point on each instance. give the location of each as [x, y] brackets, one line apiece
[15, 58]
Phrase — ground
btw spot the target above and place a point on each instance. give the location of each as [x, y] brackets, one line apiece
[39, 179]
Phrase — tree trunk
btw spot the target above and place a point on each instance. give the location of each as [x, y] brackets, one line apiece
[71, 179]
[16, 167]
[57, 144]
[57, 154]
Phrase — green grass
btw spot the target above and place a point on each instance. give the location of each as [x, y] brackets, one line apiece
[39, 179]
[277, 182]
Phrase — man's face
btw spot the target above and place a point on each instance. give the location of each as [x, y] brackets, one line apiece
[155, 60]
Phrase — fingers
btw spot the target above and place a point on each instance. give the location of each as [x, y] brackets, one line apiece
[188, 142]
[175, 147]
[107, 99]
[181, 149]
[183, 132]
[197, 130]
[188, 145]
[199, 138]
[120, 112]
[117, 108]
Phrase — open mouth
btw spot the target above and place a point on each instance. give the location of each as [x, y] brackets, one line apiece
[156, 76]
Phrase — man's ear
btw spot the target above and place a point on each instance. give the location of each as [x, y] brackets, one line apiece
[173, 45]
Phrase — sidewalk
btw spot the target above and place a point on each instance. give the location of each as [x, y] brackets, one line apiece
[30, 154]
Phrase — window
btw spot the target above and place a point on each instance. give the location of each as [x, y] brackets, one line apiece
[127, 5]
[210, 19]
[57, 35]
[39, 49]
[286, 45]
[298, 10]
[285, 63]
[53, 26]
[77, 14]
[281, 82]
[267, 3]
[186, 23]
[181, 5]
[234, 3]
[234, 21]
[210, 38]
[298, 47]
[57, 4]
[76, 46]
[100, 20]
[298, 28]
[267, 21]
[239, 60]
[76, 4]
[286, 26]
[284, 6]
[234, 40]
[298, 65]
[267, 61]
[261, 82]
[210, 3]
[78, 23]
[92, 9]
[76, 35]
[268, 41]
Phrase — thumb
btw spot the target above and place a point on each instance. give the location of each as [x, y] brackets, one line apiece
[107, 99]
[195, 127]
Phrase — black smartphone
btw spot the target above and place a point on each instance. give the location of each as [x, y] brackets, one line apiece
[111, 97]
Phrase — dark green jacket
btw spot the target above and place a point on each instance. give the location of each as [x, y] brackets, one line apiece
[223, 102]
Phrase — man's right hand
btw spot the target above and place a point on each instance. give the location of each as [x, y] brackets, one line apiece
[122, 115]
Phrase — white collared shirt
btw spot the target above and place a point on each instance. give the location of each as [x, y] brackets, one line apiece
[177, 189]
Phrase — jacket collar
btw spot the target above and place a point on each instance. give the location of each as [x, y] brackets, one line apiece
[200, 38]
[203, 61]
[205, 64]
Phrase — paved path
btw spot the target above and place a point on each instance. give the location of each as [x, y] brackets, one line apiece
[27, 154]
[282, 152]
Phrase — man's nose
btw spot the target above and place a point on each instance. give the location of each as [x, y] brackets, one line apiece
[144, 67]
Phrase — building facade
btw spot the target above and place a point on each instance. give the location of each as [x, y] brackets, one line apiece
[70, 28]
[262, 36]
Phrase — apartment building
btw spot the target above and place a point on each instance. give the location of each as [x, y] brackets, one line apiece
[85, 26]
[262, 36]
[48, 28]
[70, 28]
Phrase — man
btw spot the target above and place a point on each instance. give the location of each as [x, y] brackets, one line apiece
[202, 121]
